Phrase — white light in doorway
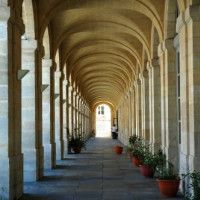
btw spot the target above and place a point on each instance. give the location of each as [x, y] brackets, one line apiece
[103, 121]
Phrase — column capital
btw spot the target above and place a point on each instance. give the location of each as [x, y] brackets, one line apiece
[145, 73]
[191, 13]
[58, 74]
[180, 22]
[70, 88]
[46, 62]
[155, 62]
[74, 92]
[65, 82]
[29, 45]
[167, 44]
[54, 65]
[41, 50]
[134, 86]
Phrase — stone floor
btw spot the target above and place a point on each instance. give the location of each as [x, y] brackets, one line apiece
[95, 174]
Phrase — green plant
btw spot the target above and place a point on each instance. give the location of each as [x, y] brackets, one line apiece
[149, 159]
[128, 148]
[76, 141]
[166, 171]
[137, 149]
[133, 139]
[161, 158]
[193, 190]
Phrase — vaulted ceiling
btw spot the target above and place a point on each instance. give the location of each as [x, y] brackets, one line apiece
[103, 43]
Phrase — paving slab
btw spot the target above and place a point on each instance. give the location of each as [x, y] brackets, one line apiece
[95, 174]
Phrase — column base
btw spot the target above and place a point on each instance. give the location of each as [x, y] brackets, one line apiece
[40, 163]
[30, 165]
[58, 150]
[11, 177]
[64, 149]
[53, 155]
[48, 156]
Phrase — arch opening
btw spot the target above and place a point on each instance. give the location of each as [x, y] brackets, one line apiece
[103, 121]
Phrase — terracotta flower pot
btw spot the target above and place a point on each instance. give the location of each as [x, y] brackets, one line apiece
[146, 171]
[130, 154]
[77, 149]
[118, 150]
[136, 161]
[169, 188]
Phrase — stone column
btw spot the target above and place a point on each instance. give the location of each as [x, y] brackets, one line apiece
[52, 110]
[29, 111]
[75, 112]
[64, 121]
[39, 54]
[57, 99]
[122, 121]
[70, 110]
[84, 120]
[67, 116]
[46, 131]
[154, 104]
[169, 132]
[130, 113]
[138, 109]
[133, 110]
[145, 113]
[11, 158]
[188, 29]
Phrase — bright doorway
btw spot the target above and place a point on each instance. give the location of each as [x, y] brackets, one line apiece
[103, 121]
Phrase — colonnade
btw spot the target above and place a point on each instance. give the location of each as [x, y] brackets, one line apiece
[39, 105]
[163, 102]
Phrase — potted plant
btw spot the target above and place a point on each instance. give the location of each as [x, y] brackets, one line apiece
[148, 166]
[137, 152]
[132, 140]
[118, 149]
[76, 143]
[151, 161]
[138, 155]
[193, 189]
[129, 150]
[168, 181]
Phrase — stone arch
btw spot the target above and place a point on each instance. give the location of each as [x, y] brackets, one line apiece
[93, 110]
[145, 8]
[154, 42]
[46, 43]
[182, 4]
[28, 19]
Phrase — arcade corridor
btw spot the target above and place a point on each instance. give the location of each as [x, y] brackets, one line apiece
[95, 174]
[60, 60]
